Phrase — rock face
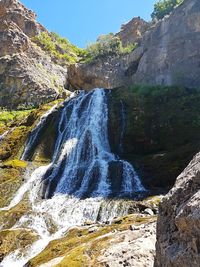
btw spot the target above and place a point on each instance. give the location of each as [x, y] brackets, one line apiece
[167, 55]
[110, 73]
[178, 229]
[26, 72]
[132, 31]
[13, 10]
[157, 130]
[131, 248]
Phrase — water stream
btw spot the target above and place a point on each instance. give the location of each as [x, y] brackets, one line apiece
[85, 181]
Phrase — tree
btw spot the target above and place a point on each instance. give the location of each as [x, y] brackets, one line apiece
[105, 45]
[164, 7]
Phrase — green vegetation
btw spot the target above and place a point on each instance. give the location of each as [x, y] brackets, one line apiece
[60, 49]
[164, 7]
[8, 117]
[82, 248]
[106, 45]
[64, 53]
[15, 163]
[164, 123]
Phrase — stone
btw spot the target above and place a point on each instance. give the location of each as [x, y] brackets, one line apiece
[149, 212]
[26, 72]
[167, 54]
[178, 227]
[132, 31]
[130, 248]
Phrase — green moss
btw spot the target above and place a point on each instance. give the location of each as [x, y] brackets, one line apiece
[11, 240]
[15, 116]
[19, 127]
[80, 246]
[162, 129]
[15, 163]
[10, 181]
[8, 218]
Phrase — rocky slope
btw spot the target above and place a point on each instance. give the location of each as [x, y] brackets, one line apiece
[26, 72]
[167, 55]
[178, 230]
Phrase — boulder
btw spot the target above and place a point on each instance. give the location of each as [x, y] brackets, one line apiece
[178, 227]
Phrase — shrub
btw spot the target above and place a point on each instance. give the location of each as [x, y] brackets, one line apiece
[106, 45]
[164, 7]
[59, 48]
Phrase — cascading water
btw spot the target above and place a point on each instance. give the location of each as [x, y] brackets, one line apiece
[84, 181]
[123, 126]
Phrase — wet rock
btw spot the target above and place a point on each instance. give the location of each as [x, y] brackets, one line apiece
[161, 134]
[11, 240]
[149, 212]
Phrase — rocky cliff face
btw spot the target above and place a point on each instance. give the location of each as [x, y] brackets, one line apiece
[26, 72]
[167, 55]
[132, 31]
[178, 230]
[156, 129]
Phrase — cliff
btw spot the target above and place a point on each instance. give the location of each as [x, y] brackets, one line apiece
[167, 54]
[27, 73]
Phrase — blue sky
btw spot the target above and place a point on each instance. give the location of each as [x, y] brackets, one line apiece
[82, 21]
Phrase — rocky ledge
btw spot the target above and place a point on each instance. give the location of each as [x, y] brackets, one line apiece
[167, 54]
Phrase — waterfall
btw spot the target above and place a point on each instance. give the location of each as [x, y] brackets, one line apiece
[83, 165]
[84, 182]
[34, 135]
[123, 126]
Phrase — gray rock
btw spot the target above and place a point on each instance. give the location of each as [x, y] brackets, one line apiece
[178, 228]
[168, 54]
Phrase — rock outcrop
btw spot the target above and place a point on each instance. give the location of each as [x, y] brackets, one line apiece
[26, 72]
[178, 229]
[132, 31]
[167, 54]
[156, 129]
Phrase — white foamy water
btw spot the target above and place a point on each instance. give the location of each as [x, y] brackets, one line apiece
[83, 181]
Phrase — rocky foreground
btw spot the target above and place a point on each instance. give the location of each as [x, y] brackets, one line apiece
[178, 228]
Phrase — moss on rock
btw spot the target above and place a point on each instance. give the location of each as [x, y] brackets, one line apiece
[162, 126]
[11, 240]
[81, 247]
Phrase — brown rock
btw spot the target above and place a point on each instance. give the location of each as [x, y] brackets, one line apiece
[132, 31]
[26, 72]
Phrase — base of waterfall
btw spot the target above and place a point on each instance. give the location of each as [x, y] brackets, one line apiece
[68, 235]
[127, 241]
